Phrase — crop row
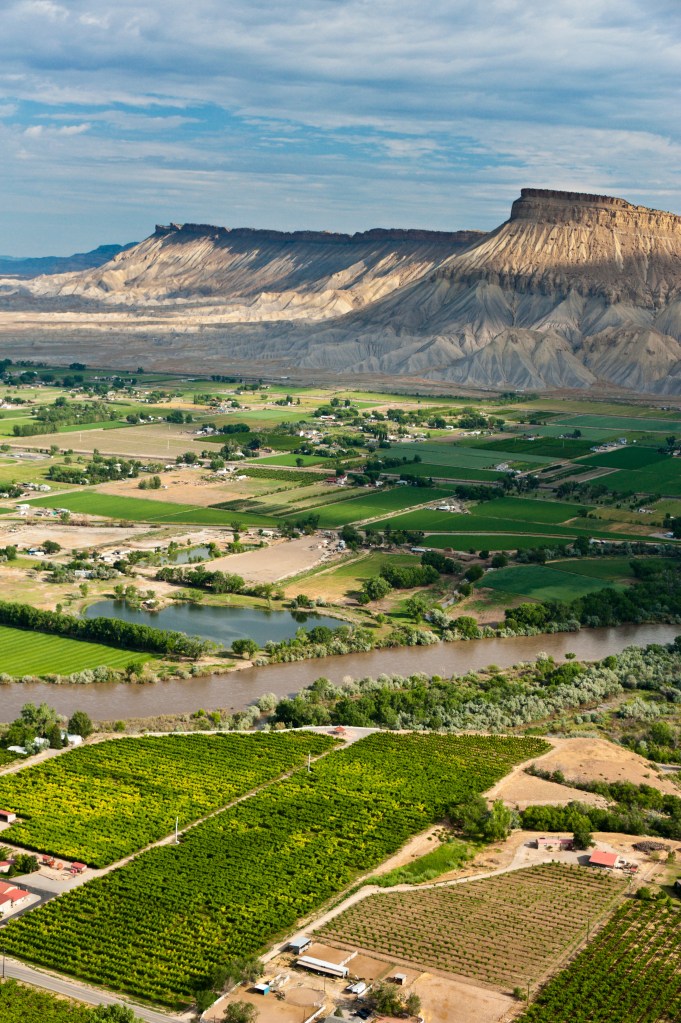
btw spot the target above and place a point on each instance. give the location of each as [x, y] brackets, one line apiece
[250, 872]
[102, 802]
[503, 929]
[631, 973]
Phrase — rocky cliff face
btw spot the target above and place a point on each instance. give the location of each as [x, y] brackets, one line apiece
[573, 291]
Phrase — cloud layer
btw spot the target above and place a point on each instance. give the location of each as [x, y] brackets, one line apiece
[339, 114]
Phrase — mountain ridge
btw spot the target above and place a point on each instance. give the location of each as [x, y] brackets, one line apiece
[573, 291]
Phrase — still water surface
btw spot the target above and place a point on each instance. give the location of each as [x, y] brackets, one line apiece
[235, 690]
[220, 624]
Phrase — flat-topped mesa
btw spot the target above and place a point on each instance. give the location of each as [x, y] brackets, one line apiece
[547, 205]
[381, 235]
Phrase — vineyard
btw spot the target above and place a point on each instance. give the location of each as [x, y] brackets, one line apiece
[102, 802]
[251, 872]
[631, 973]
[505, 931]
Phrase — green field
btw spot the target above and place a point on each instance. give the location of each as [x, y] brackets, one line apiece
[493, 541]
[550, 448]
[39, 653]
[628, 457]
[21, 1004]
[249, 873]
[448, 472]
[100, 803]
[291, 460]
[541, 582]
[622, 423]
[370, 504]
[136, 509]
[661, 478]
[629, 973]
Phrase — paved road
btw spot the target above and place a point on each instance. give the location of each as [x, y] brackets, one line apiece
[82, 993]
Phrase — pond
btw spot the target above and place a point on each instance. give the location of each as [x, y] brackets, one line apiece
[188, 555]
[219, 624]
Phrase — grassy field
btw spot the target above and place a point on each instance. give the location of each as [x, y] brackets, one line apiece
[661, 478]
[493, 541]
[500, 930]
[542, 582]
[448, 472]
[291, 460]
[136, 509]
[370, 504]
[39, 653]
[628, 457]
[99, 803]
[549, 448]
[622, 423]
[334, 584]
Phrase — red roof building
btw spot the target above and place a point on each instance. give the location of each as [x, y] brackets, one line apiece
[603, 859]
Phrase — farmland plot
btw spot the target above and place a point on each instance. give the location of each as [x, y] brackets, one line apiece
[630, 973]
[250, 872]
[102, 802]
[23, 652]
[504, 930]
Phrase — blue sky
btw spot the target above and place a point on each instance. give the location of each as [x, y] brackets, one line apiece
[325, 114]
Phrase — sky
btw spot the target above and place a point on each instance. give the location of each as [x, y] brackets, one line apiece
[335, 115]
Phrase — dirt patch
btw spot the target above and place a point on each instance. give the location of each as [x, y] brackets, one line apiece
[451, 1001]
[418, 846]
[190, 486]
[270, 564]
[599, 760]
[29, 534]
[522, 790]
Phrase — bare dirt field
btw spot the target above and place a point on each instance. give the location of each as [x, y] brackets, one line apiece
[190, 486]
[522, 790]
[159, 440]
[599, 760]
[451, 1001]
[279, 560]
[34, 532]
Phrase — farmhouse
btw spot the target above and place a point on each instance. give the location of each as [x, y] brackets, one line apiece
[10, 896]
[604, 859]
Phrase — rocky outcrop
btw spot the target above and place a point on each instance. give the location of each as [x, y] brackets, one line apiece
[572, 291]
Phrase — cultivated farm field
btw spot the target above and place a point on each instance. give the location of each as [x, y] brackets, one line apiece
[138, 509]
[250, 872]
[100, 803]
[630, 973]
[38, 653]
[505, 930]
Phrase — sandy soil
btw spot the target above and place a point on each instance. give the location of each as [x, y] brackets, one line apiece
[451, 1001]
[599, 760]
[522, 790]
[278, 561]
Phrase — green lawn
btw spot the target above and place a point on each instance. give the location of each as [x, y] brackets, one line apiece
[40, 653]
[135, 509]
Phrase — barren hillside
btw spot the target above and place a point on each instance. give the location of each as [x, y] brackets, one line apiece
[573, 291]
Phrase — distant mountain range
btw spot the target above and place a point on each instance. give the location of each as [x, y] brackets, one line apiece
[34, 266]
[573, 291]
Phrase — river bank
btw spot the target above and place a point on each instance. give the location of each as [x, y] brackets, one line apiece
[235, 690]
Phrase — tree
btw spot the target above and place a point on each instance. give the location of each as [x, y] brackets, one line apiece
[54, 737]
[114, 1014]
[244, 647]
[497, 824]
[51, 546]
[240, 1012]
[416, 606]
[582, 837]
[413, 1004]
[24, 863]
[374, 589]
[80, 724]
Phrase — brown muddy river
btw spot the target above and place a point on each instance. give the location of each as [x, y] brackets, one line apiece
[235, 690]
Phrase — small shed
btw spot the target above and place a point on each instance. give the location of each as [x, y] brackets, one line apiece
[263, 988]
[358, 988]
[298, 945]
[8, 816]
[78, 868]
[400, 979]
[604, 859]
[4, 866]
